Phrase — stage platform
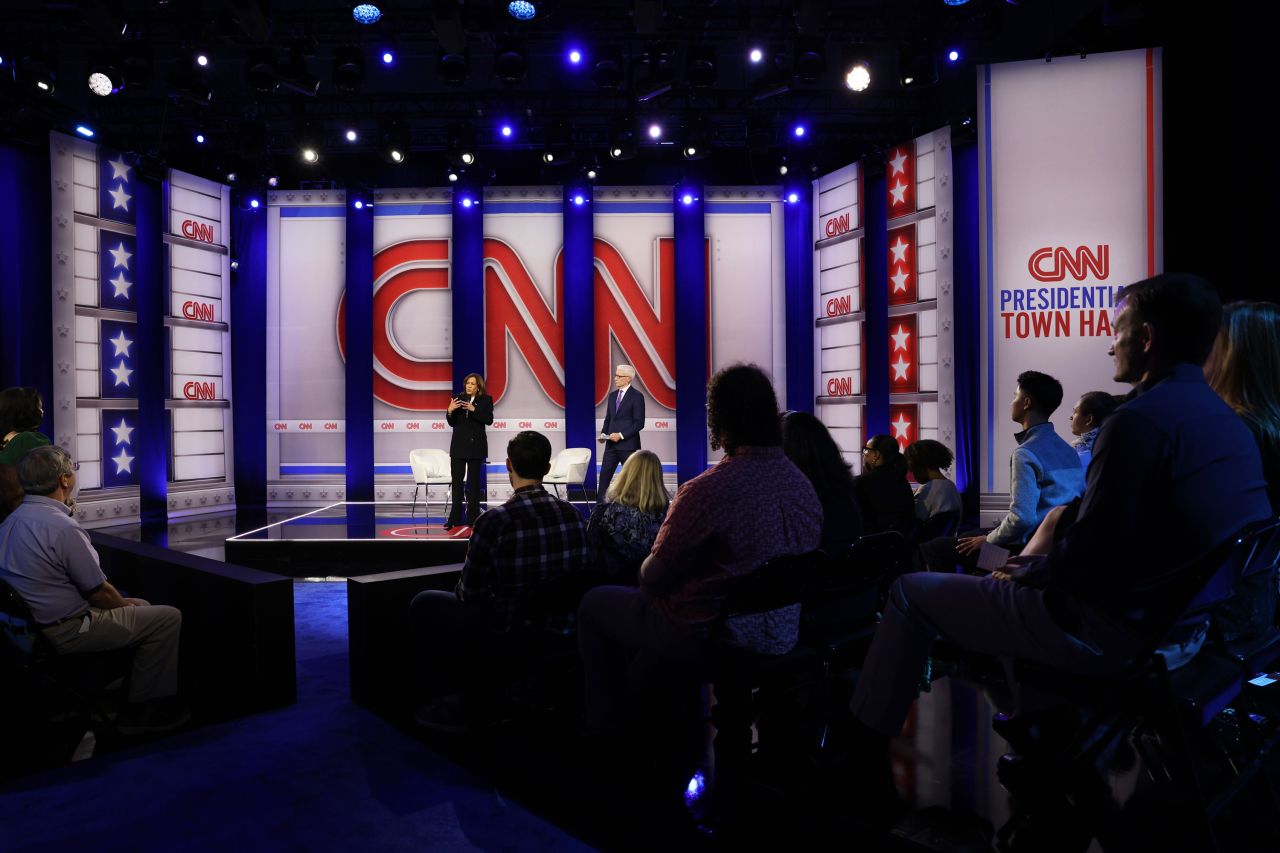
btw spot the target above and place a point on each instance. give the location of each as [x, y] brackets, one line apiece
[346, 539]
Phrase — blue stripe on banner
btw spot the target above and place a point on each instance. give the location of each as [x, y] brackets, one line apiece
[739, 207]
[320, 211]
[991, 286]
[384, 208]
[633, 207]
[298, 470]
[293, 469]
[385, 468]
[524, 207]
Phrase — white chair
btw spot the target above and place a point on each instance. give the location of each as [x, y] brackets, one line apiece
[569, 468]
[430, 468]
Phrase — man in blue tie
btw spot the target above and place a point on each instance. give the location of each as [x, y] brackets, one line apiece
[623, 420]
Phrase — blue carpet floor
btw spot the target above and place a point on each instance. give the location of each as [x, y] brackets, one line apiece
[323, 774]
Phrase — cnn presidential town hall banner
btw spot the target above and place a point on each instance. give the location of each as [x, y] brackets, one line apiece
[1070, 171]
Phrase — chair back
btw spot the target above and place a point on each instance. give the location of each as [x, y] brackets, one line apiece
[780, 582]
[939, 524]
[17, 623]
[570, 465]
[430, 465]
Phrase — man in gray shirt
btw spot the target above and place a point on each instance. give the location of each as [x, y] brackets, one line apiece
[46, 557]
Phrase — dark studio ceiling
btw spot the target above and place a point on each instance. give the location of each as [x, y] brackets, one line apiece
[282, 73]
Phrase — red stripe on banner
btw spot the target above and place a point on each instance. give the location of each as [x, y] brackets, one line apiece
[611, 320]
[387, 295]
[1151, 164]
[503, 317]
[413, 250]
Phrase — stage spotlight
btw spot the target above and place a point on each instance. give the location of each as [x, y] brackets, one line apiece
[783, 168]
[607, 73]
[358, 204]
[859, 77]
[687, 198]
[575, 56]
[201, 59]
[793, 197]
[348, 69]
[462, 147]
[231, 177]
[917, 66]
[522, 10]
[261, 70]
[394, 146]
[466, 201]
[799, 131]
[273, 181]
[310, 155]
[953, 55]
[506, 130]
[84, 130]
[697, 144]
[388, 57]
[105, 79]
[623, 146]
[453, 177]
[510, 62]
[453, 68]
[756, 56]
[254, 203]
[700, 69]
[810, 59]
[955, 2]
[557, 154]
[199, 138]
[366, 13]
[592, 174]
[352, 135]
[235, 265]
[655, 131]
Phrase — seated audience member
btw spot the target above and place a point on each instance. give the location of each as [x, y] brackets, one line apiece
[10, 490]
[1086, 419]
[753, 505]
[533, 538]
[621, 531]
[811, 448]
[1111, 588]
[46, 557]
[927, 460]
[884, 495]
[21, 411]
[1244, 369]
[1044, 472]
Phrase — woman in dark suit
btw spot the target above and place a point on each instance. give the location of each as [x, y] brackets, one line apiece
[468, 413]
[882, 489]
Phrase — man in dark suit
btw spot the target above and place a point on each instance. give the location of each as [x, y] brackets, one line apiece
[623, 420]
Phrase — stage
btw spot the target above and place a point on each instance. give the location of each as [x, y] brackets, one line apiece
[348, 538]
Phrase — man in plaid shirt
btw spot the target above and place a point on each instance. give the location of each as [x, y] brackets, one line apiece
[532, 538]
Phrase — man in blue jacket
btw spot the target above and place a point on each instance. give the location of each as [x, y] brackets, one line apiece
[623, 420]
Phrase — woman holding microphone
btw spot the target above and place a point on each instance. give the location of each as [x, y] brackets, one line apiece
[468, 413]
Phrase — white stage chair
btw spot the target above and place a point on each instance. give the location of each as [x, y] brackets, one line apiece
[569, 468]
[430, 468]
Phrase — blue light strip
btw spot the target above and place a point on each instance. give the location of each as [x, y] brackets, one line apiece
[249, 354]
[691, 334]
[359, 373]
[989, 450]
[334, 211]
[579, 327]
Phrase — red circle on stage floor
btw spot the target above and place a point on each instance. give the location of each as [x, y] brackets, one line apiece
[428, 532]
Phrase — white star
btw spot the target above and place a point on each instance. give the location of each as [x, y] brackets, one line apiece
[123, 462]
[900, 368]
[899, 280]
[120, 256]
[119, 198]
[122, 344]
[899, 250]
[122, 373]
[124, 432]
[900, 338]
[121, 286]
[899, 193]
[119, 169]
[898, 163]
[900, 426]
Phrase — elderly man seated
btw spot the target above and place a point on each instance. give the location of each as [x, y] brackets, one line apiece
[46, 557]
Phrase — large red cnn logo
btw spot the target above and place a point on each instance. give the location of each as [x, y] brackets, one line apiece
[1055, 263]
[515, 310]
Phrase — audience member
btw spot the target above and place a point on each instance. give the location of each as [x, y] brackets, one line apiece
[10, 490]
[1086, 419]
[1244, 369]
[1173, 477]
[1044, 472]
[46, 557]
[811, 448]
[884, 495]
[621, 531]
[753, 505]
[21, 411]
[937, 497]
[533, 538]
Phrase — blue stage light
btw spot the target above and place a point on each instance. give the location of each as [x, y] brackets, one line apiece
[506, 131]
[466, 201]
[575, 56]
[687, 198]
[522, 10]
[352, 135]
[200, 138]
[358, 204]
[388, 57]
[799, 130]
[655, 131]
[84, 130]
[366, 13]
[756, 56]
[953, 55]
[955, 2]
[253, 202]
[793, 197]
[579, 199]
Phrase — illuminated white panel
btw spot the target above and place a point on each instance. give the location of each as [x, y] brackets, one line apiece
[191, 387]
[196, 363]
[840, 358]
[847, 438]
[197, 443]
[203, 340]
[927, 324]
[841, 302]
[926, 259]
[197, 260]
[86, 237]
[187, 420]
[839, 254]
[86, 353]
[88, 449]
[928, 377]
[208, 467]
[924, 168]
[86, 200]
[196, 307]
[85, 171]
[86, 291]
[926, 231]
[925, 195]
[841, 383]
[928, 350]
[840, 335]
[86, 383]
[86, 330]
[89, 476]
[838, 278]
[87, 421]
[86, 263]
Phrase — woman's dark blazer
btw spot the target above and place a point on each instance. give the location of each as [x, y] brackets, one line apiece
[469, 441]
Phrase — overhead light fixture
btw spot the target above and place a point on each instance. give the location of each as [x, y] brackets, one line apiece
[574, 56]
[199, 138]
[510, 62]
[453, 176]
[388, 57]
[655, 131]
[697, 143]
[348, 69]
[394, 145]
[700, 68]
[352, 135]
[366, 13]
[859, 77]
[84, 130]
[453, 68]
[522, 10]
[201, 59]
[756, 56]
[260, 70]
[810, 59]
[798, 130]
[310, 155]
[607, 72]
[953, 55]
[273, 181]
[622, 143]
[506, 130]
[917, 66]
[557, 154]
[102, 82]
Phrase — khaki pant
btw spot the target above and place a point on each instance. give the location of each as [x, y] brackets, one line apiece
[151, 629]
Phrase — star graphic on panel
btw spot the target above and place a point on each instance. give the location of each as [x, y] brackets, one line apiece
[120, 256]
[899, 193]
[898, 162]
[121, 286]
[122, 373]
[899, 280]
[119, 198]
[122, 344]
[119, 169]
[124, 432]
[900, 338]
[900, 368]
[899, 250]
[900, 426]
[123, 462]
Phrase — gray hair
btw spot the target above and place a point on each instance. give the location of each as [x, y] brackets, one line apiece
[41, 467]
[627, 369]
